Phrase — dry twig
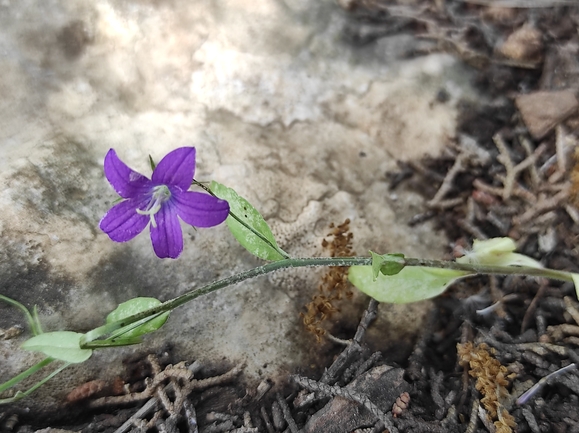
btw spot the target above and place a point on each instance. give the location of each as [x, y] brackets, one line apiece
[181, 384]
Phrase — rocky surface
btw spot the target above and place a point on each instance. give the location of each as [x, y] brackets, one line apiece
[279, 106]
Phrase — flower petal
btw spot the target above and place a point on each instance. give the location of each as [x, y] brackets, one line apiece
[198, 209]
[126, 182]
[167, 237]
[122, 223]
[176, 168]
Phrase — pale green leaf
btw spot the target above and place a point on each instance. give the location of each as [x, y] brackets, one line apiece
[576, 282]
[411, 284]
[264, 247]
[134, 306]
[497, 252]
[62, 345]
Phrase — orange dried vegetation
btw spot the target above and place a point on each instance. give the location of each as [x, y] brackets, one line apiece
[491, 381]
[334, 285]
[86, 390]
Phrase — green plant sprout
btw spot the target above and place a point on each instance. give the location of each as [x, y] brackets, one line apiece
[36, 329]
[391, 278]
[31, 318]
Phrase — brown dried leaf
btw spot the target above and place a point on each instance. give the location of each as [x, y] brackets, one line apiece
[542, 111]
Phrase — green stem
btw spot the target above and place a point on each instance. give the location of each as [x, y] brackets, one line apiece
[15, 380]
[247, 226]
[106, 330]
[20, 395]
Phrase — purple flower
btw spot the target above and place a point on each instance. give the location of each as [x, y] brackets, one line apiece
[161, 201]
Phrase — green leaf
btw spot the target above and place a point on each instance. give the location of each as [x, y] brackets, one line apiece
[152, 163]
[35, 325]
[259, 242]
[576, 282]
[497, 252]
[134, 306]
[62, 345]
[411, 284]
[387, 264]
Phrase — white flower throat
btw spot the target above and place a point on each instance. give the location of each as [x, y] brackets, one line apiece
[160, 195]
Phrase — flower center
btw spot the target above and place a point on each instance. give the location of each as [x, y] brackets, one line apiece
[159, 196]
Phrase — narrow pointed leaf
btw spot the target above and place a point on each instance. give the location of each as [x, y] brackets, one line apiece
[134, 306]
[62, 345]
[411, 284]
[264, 247]
[152, 163]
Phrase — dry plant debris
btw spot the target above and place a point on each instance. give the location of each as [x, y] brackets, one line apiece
[353, 381]
[491, 381]
[347, 394]
[166, 394]
[12, 332]
[86, 390]
[400, 404]
[334, 286]
[534, 189]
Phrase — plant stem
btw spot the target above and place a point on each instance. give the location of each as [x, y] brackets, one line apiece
[474, 269]
[20, 395]
[492, 269]
[15, 380]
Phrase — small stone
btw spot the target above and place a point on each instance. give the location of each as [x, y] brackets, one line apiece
[524, 46]
[542, 111]
[382, 384]
[499, 14]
